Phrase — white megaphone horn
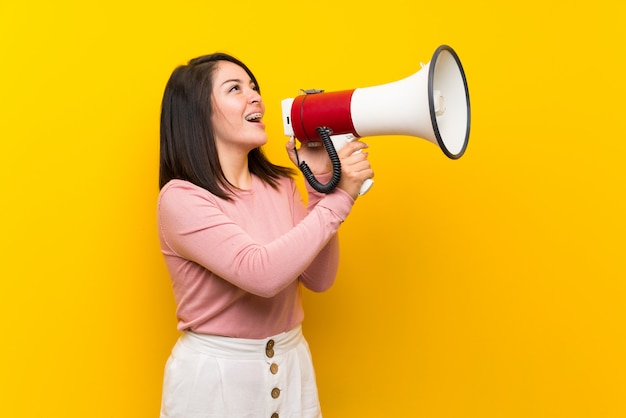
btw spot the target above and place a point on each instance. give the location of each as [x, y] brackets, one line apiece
[432, 104]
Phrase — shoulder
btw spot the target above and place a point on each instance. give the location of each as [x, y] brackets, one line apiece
[178, 186]
[184, 207]
[181, 193]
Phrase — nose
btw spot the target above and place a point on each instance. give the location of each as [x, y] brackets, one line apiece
[254, 97]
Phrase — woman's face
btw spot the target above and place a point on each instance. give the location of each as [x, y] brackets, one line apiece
[237, 109]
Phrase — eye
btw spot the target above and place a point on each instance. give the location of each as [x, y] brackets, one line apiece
[234, 87]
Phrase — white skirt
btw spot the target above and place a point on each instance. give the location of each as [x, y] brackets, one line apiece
[210, 376]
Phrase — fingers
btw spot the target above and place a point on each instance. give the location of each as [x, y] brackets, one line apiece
[355, 167]
[353, 153]
[351, 148]
[290, 146]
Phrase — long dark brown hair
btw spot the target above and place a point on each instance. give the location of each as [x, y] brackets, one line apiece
[188, 149]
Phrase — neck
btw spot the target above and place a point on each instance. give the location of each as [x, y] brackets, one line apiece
[236, 171]
[241, 180]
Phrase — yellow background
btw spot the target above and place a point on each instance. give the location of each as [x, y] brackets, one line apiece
[490, 286]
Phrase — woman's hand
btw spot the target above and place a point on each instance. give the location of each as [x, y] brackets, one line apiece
[355, 168]
[313, 153]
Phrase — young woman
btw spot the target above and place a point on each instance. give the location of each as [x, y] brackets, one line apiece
[239, 244]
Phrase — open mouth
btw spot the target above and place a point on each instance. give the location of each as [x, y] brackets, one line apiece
[254, 117]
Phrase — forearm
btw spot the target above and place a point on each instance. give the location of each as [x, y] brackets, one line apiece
[320, 275]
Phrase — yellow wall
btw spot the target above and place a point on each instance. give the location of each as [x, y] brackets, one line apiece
[491, 286]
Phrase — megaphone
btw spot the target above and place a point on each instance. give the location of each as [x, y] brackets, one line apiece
[432, 104]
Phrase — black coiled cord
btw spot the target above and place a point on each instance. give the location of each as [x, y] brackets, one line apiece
[324, 134]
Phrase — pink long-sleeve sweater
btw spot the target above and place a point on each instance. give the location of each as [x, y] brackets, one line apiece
[237, 266]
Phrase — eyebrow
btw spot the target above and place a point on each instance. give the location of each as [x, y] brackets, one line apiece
[235, 80]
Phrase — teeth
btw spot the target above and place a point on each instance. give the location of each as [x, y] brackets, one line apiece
[254, 116]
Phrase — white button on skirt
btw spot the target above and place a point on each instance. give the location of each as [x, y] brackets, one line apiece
[209, 376]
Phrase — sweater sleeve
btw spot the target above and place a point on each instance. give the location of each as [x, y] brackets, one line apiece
[321, 273]
[194, 227]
